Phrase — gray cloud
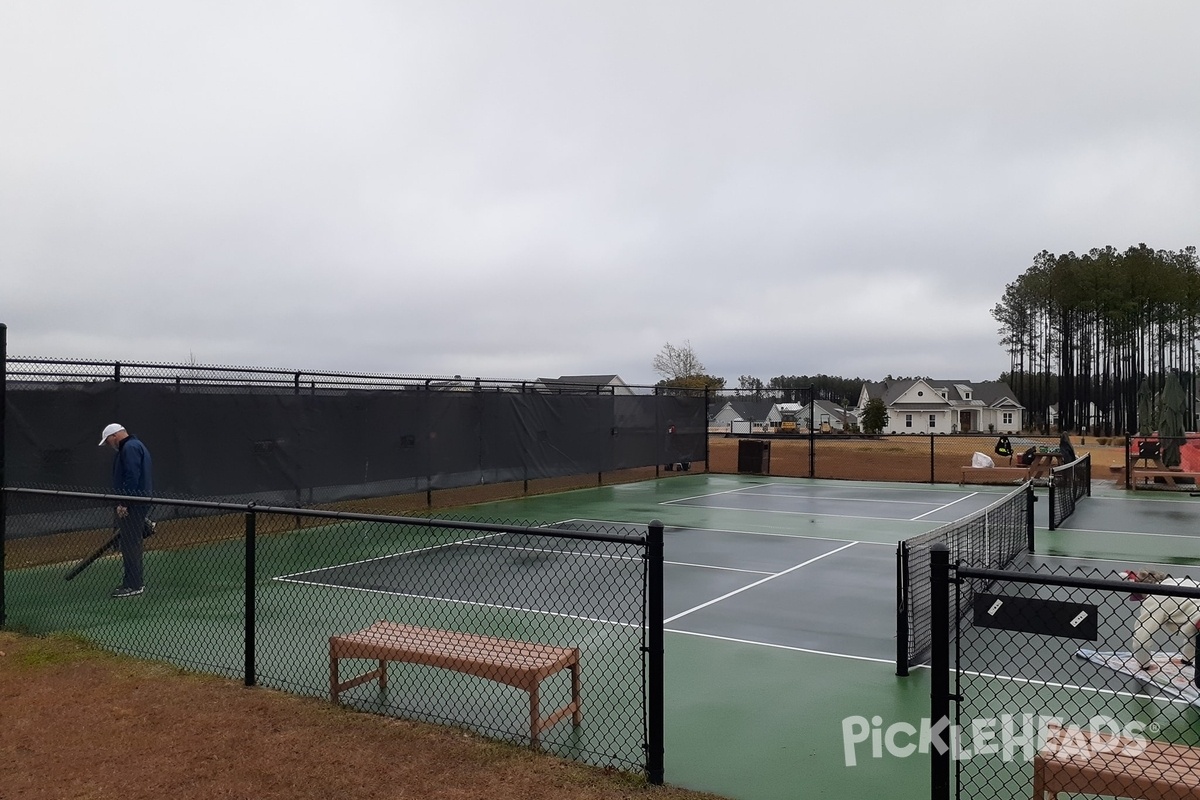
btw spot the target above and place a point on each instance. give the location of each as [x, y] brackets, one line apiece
[535, 188]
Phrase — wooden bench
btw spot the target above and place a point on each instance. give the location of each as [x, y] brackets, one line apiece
[994, 475]
[1169, 476]
[523, 665]
[1084, 762]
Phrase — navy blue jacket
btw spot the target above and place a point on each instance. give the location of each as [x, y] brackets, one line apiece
[132, 471]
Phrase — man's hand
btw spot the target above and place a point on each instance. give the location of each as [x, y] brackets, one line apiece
[122, 512]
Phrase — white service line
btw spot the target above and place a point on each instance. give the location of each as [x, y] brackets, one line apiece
[712, 494]
[947, 505]
[826, 499]
[756, 583]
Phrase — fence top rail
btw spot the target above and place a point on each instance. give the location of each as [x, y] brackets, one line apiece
[1042, 579]
[350, 516]
[26, 369]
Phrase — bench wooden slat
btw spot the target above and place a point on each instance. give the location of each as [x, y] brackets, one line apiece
[523, 665]
[1117, 768]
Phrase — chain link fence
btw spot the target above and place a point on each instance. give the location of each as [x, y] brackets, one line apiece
[920, 458]
[1073, 680]
[306, 438]
[550, 635]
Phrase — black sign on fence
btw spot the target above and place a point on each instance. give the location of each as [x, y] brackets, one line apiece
[1036, 615]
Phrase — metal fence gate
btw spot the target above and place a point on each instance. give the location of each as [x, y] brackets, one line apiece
[1074, 681]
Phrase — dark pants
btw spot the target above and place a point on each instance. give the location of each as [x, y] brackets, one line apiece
[130, 528]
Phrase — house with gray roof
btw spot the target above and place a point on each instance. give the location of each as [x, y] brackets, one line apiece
[826, 416]
[762, 414]
[923, 405]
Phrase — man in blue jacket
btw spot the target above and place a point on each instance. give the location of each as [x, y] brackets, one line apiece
[132, 474]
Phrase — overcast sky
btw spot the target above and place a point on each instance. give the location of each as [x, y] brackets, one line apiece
[517, 189]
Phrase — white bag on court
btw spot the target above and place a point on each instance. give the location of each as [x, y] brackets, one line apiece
[982, 460]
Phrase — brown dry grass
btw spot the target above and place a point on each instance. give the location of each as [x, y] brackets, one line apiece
[892, 458]
[76, 722]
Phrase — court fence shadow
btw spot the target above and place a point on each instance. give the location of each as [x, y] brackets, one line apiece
[470, 623]
[1063, 680]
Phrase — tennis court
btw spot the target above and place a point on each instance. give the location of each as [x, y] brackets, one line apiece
[781, 614]
[780, 609]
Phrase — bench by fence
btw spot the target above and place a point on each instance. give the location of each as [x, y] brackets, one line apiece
[523, 665]
[994, 475]
[1086, 762]
[1169, 476]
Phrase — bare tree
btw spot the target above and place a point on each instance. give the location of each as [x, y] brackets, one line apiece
[677, 363]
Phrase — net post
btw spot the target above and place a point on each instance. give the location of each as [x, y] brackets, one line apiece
[1031, 498]
[901, 610]
[249, 672]
[1050, 496]
[654, 647]
[1088, 459]
[939, 683]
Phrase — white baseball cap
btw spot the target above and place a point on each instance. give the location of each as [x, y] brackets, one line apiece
[109, 430]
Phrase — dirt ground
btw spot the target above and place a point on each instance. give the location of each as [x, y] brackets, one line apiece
[893, 458]
[79, 723]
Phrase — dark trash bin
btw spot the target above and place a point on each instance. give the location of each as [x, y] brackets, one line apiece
[754, 456]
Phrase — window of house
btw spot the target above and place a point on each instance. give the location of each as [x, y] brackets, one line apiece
[1007, 417]
[966, 395]
[933, 420]
[908, 420]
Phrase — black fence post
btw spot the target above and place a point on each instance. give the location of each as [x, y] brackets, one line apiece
[1029, 517]
[812, 434]
[654, 644]
[3, 494]
[939, 664]
[250, 673]
[901, 610]
[1128, 464]
[932, 461]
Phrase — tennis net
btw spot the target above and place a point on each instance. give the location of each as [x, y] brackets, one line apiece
[991, 538]
[1068, 485]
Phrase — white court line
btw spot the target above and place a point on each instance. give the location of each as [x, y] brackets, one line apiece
[1125, 533]
[756, 533]
[1071, 686]
[820, 498]
[947, 505]
[714, 494]
[757, 583]
[1118, 560]
[797, 513]
[714, 566]
[343, 587]
[793, 648]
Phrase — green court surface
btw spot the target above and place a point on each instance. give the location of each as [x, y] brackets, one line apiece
[780, 614]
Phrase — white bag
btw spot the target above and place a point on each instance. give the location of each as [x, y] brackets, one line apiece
[982, 460]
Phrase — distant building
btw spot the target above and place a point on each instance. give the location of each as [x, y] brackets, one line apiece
[931, 406]
[585, 384]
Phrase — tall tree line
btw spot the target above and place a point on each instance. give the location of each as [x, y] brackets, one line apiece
[1085, 331]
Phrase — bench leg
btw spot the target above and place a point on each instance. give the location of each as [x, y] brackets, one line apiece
[577, 716]
[333, 678]
[535, 717]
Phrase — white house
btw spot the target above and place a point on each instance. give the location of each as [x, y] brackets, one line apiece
[761, 414]
[923, 405]
[826, 416]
